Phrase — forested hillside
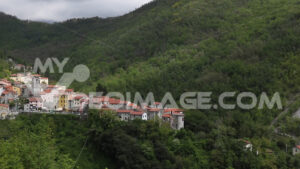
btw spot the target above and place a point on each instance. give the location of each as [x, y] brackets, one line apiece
[177, 46]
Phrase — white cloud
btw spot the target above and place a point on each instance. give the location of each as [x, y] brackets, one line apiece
[59, 10]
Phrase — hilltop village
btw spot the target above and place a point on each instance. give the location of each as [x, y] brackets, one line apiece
[31, 93]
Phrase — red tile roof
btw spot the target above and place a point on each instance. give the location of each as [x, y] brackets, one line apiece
[136, 113]
[69, 90]
[8, 87]
[177, 114]
[298, 146]
[173, 110]
[8, 91]
[33, 99]
[153, 109]
[133, 105]
[246, 141]
[78, 97]
[166, 115]
[4, 105]
[47, 90]
[124, 111]
[114, 101]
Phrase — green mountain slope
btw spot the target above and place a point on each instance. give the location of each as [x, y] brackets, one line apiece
[163, 35]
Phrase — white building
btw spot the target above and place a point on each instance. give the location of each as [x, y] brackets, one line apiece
[48, 97]
[296, 150]
[36, 86]
[248, 146]
[21, 77]
[44, 80]
[35, 104]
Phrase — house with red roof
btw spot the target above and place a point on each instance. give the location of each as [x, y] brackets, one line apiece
[34, 104]
[4, 82]
[296, 150]
[154, 113]
[131, 106]
[8, 95]
[22, 77]
[78, 102]
[116, 104]
[175, 117]
[138, 115]
[131, 111]
[124, 115]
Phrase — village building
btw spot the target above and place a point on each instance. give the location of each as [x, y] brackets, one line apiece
[63, 101]
[124, 115]
[76, 102]
[296, 150]
[42, 96]
[19, 67]
[138, 115]
[4, 111]
[66, 99]
[34, 104]
[44, 80]
[79, 103]
[4, 82]
[154, 113]
[247, 145]
[48, 97]
[8, 95]
[17, 90]
[36, 85]
[115, 104]
[175, 117]
[22, 77]
[96, 102]
[14, 77]
[29, 68]
[156, 105]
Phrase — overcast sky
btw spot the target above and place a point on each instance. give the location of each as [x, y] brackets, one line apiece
[59, 10]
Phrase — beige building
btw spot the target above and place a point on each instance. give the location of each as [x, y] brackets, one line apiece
[4, 111]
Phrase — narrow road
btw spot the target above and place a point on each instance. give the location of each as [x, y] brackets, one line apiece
[286, 109]
[283, 113]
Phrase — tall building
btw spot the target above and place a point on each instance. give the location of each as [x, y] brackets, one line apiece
[36, 86]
